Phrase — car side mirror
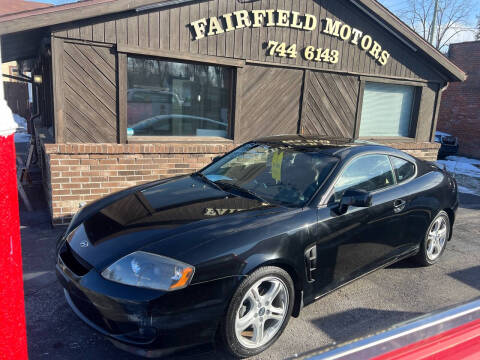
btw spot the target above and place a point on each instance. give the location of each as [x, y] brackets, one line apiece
[357, 198]
[216, 158]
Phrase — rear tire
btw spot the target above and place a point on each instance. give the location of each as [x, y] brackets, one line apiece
[435, 240]
[258, 312]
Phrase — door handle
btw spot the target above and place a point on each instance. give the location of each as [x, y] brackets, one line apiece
[399, 205]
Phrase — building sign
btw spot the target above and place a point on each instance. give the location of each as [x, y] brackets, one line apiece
[295, 20]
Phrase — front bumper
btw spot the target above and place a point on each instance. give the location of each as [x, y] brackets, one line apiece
[144, 318]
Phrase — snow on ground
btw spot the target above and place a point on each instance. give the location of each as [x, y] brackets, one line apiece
[466, 190]
[441, 133]
[21, 122]
[21, 135]
[462, 165]
[466, 172]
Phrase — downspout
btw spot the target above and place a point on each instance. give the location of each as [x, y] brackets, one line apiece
[438, 102]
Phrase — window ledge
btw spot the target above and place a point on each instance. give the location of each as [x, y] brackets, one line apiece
[178, 139]
[387, 139]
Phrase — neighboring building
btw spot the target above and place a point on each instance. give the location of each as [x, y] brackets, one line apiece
[160, 89]
[8, 7]
[16, 91]
[10, 68]
[460, 109]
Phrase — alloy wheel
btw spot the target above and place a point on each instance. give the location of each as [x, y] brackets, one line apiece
[437, 236]
[262, 312]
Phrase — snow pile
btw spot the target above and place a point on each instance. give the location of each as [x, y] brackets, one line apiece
[21, 135]
[466, 172]
[21, 123]
[462, 165]
[466, 190]
[441, 133]
[7, 125]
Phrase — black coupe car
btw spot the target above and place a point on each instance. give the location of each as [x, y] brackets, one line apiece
[231, 252]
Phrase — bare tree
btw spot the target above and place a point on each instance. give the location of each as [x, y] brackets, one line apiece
[452, 18]
[477, 35]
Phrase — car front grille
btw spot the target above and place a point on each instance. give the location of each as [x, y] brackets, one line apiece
[73, 262]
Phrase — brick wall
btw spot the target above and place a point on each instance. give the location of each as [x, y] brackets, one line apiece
[77, 173]
[422, 150]
[460, 108]
[86, 172]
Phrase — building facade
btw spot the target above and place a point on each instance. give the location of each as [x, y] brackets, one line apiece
[460, 109]
[160, 90]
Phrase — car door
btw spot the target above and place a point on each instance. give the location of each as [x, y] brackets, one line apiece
[417, 217]
[361, 239]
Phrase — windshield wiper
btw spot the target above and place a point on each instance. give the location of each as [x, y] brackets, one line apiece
[243, 190]
[208, 181]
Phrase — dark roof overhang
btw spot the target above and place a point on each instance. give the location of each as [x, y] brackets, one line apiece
[55, 15]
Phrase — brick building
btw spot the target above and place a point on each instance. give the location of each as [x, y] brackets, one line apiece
[460, 107]
[8, 7]
[136, 90]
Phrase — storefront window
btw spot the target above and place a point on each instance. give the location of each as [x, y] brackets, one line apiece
[168, 98]
[386, 110]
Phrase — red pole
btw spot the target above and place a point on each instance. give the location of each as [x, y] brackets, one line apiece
[13, 337]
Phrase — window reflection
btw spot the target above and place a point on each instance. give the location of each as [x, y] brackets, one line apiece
[367, 173]
[168, 98]
[275, 173]
[404, 169]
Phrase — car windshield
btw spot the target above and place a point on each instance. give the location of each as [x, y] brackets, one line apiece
[273, 173]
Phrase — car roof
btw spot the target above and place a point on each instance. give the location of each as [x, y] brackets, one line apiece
[339, 147]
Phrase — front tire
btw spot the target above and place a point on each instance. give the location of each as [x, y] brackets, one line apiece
[435, 240]
[259, 312]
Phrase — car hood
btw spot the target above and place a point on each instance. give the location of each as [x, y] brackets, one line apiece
[149, 214]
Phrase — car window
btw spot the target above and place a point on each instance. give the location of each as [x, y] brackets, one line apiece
[278, 174]
[368, 173]
[404, 169]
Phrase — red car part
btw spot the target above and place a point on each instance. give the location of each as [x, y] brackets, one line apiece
[462, 342]
[445, 335]
[13, 337]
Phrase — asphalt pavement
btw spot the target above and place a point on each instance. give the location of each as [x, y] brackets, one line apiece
[373, 303]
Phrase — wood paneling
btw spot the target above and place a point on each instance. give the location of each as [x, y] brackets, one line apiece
[270, 102]
[174, 55]
[58, 86]
[330, 104]
[168, 29]
[271, 92]
[89, 94]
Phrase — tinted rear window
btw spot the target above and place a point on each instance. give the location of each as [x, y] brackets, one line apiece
[367, 173]
[404, 170]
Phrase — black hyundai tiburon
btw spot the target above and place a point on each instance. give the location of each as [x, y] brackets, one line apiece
[234, 250]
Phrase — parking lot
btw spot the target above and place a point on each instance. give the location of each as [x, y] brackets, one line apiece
[377, 301]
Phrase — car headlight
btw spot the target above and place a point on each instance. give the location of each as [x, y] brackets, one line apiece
[150, 271]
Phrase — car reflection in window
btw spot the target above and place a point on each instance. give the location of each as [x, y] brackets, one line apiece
[186, 125]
